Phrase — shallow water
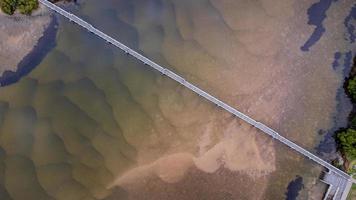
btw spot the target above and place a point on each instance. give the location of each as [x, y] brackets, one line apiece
[89, 117]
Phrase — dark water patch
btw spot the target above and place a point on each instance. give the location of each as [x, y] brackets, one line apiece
[294, 188]
[317, 14]
[44, 45]
[336, 63]
[350, 24]
[328, 145]
[347, 63]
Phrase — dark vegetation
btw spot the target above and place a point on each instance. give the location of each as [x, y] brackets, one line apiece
[23, 6]
[346, 137]
[347, 143]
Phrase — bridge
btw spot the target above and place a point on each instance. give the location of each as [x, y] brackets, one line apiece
[335, 177]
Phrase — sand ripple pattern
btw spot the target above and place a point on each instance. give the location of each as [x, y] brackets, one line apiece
[91, 123]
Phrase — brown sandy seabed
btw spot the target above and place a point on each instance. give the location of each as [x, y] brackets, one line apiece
[249, 54]
[189, 149]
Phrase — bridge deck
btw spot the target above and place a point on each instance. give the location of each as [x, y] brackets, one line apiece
[196, 89]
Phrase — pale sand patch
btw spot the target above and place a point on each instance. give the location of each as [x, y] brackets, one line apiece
[169, 168]
[237, 151]
[19, 35]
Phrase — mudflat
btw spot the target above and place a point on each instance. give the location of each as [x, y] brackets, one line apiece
[19, 35]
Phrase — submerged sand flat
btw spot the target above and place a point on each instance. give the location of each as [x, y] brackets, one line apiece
[92, 123]
[80, 131]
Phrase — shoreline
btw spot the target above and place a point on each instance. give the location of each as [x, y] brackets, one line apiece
[350, 118]
[327, 147]
[34, 57]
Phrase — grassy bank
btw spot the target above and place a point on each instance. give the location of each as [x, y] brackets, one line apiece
[346, 137]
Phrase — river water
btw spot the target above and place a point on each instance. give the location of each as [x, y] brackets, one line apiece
[90, 122]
